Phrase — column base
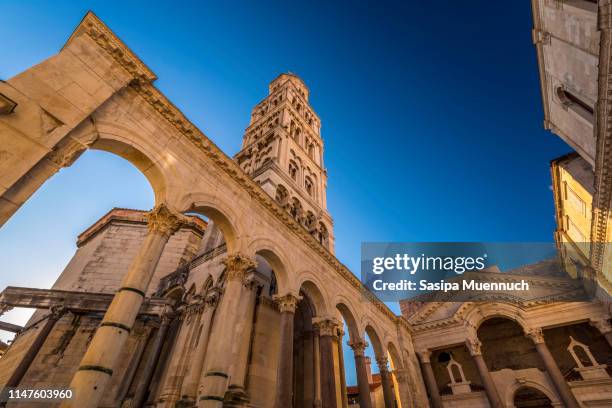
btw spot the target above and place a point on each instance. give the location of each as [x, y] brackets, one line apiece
[236, 397]
[185, 403]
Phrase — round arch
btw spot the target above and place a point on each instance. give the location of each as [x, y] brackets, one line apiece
[512, 389]
[394, 356]
[377, 345]
[313, 291]
[276, 259]
[349, 317]
[479, 313]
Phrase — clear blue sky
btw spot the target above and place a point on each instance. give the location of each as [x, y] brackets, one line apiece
[431, 114]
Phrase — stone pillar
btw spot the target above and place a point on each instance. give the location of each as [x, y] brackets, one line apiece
[328, 377]
[604, 327]
[151, 361]
[238, 371]
[385, 377]
[342, 372]
[55, 314]
[190, 385]
[430, 379]
[316, 353]
[180, 355]
[96, 368]
[474, 347]
[284, 374]
[405, 391]
[552, 368]
[365, 401]
[214, 379]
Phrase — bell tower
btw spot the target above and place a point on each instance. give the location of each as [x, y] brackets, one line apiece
[282, 150]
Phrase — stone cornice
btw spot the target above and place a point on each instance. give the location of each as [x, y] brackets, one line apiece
[603, 157]
[94, 28]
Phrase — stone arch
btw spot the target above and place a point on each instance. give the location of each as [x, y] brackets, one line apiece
[512, 389]
[208, 283]
[276, 258]
[312, 287]
[480, 313]
[222, 216]
[128, 145]
[375, 339]
[394, 357]
[349, 317]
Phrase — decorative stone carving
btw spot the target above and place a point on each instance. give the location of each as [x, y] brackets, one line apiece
[212, 297]
[382, 362]
[358, 347]
[601, 324]
[535, 335]
[474, 346]
[425, 356]
[66, 153]
[164, 221]
[237, 265]
[287, 303]
[5, 307]
[326, 326]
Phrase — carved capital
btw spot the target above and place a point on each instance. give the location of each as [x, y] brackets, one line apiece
[424, 356]
[474, 346]
[601, 324]
[66, 153]
[358, 347]
[535, 335]
[57, 311]
[402, 375]
[163, 220]
[237, 265]
[253, 280]
[287, 303]
[326, 326]
[382, 362]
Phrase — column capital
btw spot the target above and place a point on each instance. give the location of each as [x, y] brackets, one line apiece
[57, 311]
[163, 220]
[535, 334]
[402, 374]
[253, 279]
[424, 355]
[287, 303]
[237, 265]
[5, 307]
[66, 153]
[326, 326]
[358, 347]
[474, 346]
[382, 362]
[602, 324]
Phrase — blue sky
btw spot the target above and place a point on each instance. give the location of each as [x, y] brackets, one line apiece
[431, 115]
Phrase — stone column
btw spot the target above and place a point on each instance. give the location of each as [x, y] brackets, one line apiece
[405, 391]
[552, 368]
[151, 360]
[365, 401]
[341, 364]
[474, 346]
[238, 371]
[430, 379]
[96, 368]
[190, 385]
[385, 377]
[284, 374]
[55, 314]
[604, 327]
[316, 353]
[214, 379]
[180, 355]
[328, 377]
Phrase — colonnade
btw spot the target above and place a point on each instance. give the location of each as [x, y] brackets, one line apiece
[211, 340]
[473, 344]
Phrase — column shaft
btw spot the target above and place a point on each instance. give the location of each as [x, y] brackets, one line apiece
[487, 381]
[316, 348]
[284, 374]
[365, 401]
[430, 380]
[555, 375]
[150, 362]
[328, 382]
[190, 385]
[386, 382]
[215, 376]
[96, 368]
[33, 350]
[342, 372]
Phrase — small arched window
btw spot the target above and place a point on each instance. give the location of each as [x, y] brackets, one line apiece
[293, 170]
[323, 235]
[311, 151]
[309, 185]
[570, 101]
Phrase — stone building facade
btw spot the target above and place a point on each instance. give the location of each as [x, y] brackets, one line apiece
[245, 309]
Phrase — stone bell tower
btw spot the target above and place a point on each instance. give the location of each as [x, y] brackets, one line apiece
[282, 150]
